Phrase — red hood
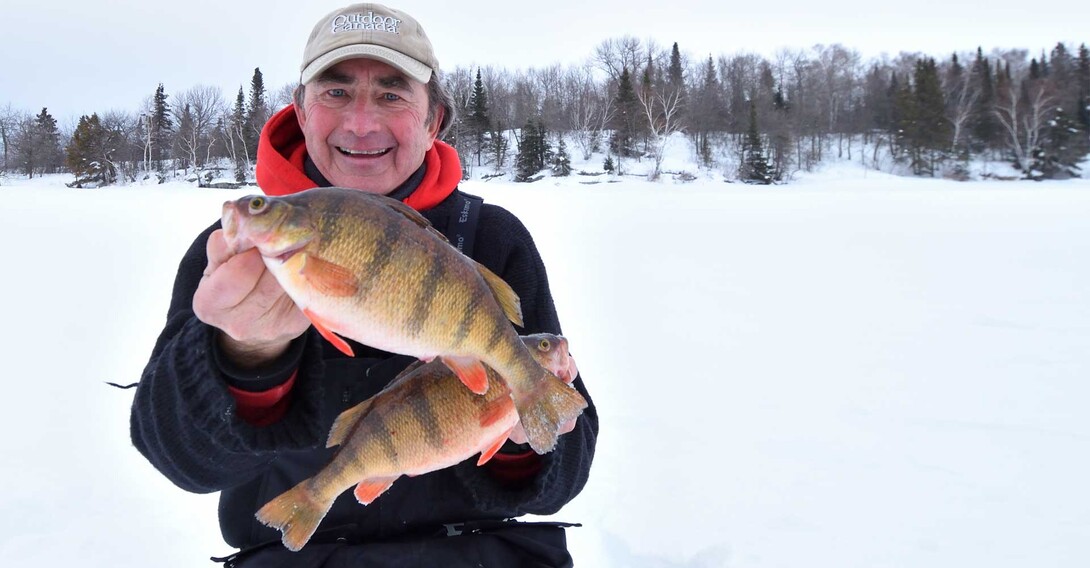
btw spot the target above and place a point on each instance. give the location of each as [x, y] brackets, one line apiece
[281, 150]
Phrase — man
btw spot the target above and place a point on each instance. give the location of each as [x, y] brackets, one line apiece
[241, 391]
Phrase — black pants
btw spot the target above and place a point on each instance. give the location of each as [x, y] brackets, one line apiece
[500, 544]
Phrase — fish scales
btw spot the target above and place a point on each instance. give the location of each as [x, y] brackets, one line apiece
[371, 269]
[422, 421]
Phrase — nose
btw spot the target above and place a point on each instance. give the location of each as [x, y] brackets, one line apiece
[362, 117]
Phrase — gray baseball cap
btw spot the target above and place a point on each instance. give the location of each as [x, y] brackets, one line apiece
[369, 31]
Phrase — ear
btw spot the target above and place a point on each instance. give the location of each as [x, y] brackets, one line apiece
[433, 128]
[301, 117]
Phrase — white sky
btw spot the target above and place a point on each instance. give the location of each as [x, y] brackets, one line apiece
[83, 56]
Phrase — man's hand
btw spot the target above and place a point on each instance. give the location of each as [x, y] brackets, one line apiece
[241, 298]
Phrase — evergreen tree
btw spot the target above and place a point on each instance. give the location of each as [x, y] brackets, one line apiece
[706, 112]
[478, 121]
[675, 81]
[534, 152]
[607, 164]
[162, 128]
[37, 145]
[755, 166]
[984, 128]
[561, 163]
[237, 137]
[89, 154]
[931, 134]
[623, 141]
[257, 113]
[1063, 146]
[1082, 72]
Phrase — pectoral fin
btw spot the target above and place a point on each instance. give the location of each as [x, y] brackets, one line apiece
[323, 328]
[329, 278]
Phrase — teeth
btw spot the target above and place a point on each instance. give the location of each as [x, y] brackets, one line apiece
[363, 152]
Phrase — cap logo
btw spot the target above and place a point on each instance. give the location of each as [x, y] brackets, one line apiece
[368, 21]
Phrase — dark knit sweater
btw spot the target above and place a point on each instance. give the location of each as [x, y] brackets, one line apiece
[184, 420]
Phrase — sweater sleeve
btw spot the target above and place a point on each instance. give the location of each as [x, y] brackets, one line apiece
[184, 419]
[563, 472]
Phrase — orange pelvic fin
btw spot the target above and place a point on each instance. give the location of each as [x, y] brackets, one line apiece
[369, 490]
[495, 447]
[342, 427]
[323, 328]
[471, 371]
[329, 278]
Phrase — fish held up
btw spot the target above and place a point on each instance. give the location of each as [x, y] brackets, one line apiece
[424, 420]
[374, 270]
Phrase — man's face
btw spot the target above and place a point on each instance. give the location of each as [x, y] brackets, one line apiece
[365, 125]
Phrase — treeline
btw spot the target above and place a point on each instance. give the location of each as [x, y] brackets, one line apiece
[752, 118]
[194, 135]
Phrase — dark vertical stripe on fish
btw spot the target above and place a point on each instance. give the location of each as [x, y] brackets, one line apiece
[426, 294]
[386, 440]
[384, 253]
[425, 414]
[461, 333]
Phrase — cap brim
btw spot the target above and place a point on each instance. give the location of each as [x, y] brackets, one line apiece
[407, 65]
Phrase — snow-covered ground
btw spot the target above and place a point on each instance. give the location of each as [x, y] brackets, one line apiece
[854, 370]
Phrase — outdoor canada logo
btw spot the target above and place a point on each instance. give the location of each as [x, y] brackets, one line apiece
[368, 21]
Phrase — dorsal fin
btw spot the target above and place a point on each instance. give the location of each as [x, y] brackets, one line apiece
[505, 296]
[342, 426]
[414, 216]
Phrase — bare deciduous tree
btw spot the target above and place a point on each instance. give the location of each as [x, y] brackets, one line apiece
[661, 107]
[1024, 118]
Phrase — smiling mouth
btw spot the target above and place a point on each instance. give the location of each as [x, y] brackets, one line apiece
[363, 153]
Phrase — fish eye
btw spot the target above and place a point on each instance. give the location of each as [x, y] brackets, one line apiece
[544, 345]
[258, 204]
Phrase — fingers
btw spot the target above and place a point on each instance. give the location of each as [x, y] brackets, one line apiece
[217, 251]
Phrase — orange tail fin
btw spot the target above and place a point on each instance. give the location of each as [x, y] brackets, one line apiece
[296, 513]
[542, 411]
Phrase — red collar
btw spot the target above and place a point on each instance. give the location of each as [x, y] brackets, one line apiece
[281, 150]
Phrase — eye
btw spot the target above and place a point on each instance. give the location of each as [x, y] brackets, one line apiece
[391, 97]
[337, 92]
[258, 204]
[544, 345]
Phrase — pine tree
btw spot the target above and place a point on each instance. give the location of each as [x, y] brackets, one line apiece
[755, 166]
[561, 163]
[706, 112]
[984, 127]
[479, 122]
[931, 133]
[623, 141]
[675, 80]
[37, 145]
[257, 113]
[237, 137]
[532, 152]
[1063, 146]
[162, 127]
[607, 164]
[88, 154]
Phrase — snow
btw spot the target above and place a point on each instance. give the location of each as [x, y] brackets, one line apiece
[855, 369]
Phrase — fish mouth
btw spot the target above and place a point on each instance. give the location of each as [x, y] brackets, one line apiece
[363, 153]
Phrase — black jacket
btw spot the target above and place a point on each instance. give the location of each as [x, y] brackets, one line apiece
[184, 422]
